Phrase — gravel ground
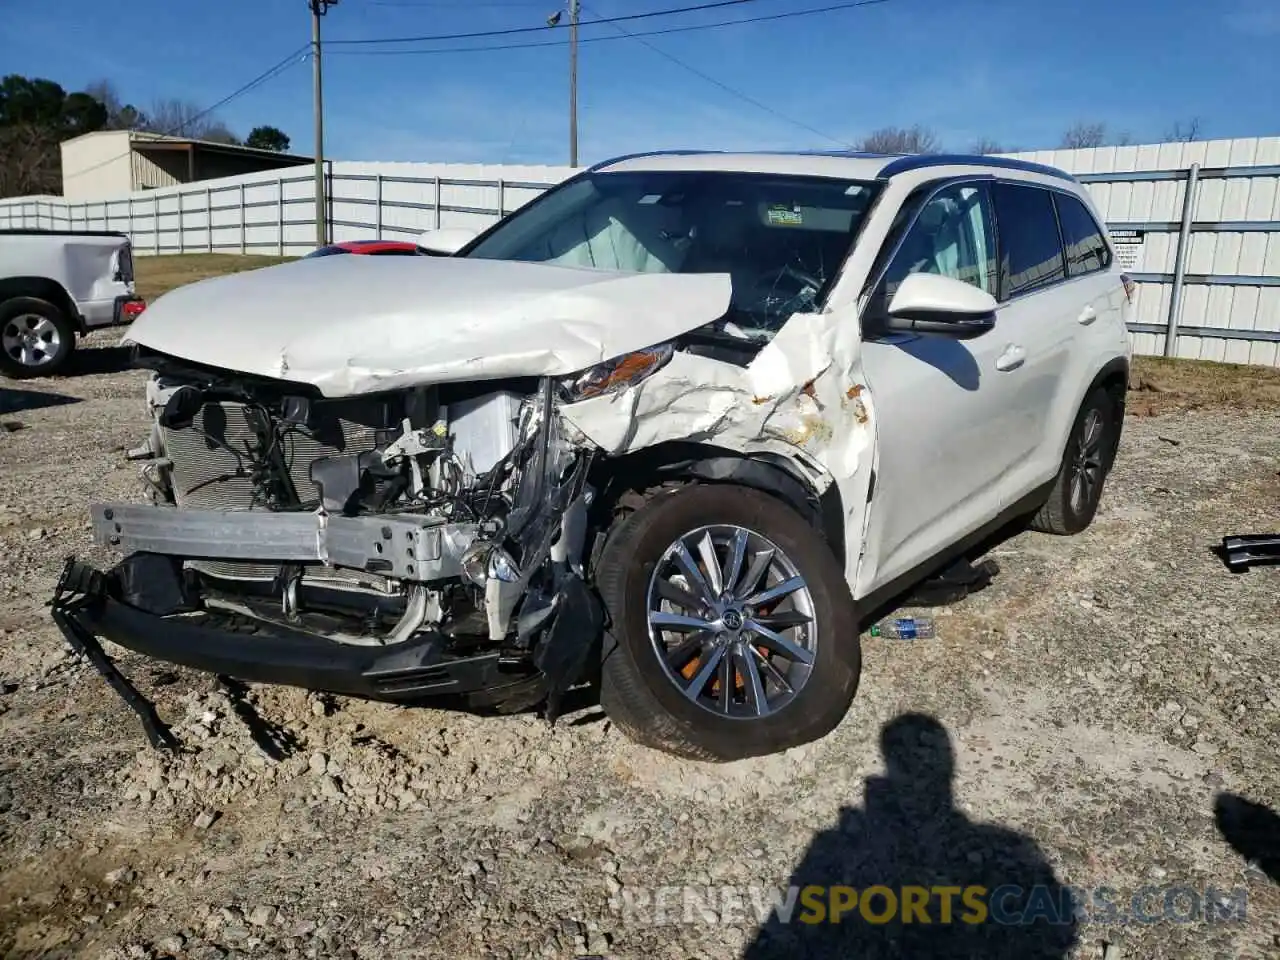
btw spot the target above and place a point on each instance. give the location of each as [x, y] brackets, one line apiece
[1093, 701]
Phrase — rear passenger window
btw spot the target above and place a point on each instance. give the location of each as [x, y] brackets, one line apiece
[1086, 250]
[1030, 249]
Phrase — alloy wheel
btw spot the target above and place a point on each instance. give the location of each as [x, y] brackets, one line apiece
[732, 621]
[1087, 468]
[30, 339]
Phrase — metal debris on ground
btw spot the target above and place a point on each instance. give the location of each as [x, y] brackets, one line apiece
[1241, 551]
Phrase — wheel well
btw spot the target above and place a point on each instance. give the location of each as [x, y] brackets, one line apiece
[1114, 378]
[42, 288]
[626, 482]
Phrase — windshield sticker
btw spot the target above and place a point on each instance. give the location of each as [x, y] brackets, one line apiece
[781, 215]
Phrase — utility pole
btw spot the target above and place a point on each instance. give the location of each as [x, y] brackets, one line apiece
[575, 8]
[318, 9]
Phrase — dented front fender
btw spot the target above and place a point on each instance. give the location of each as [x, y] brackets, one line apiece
[802, 397]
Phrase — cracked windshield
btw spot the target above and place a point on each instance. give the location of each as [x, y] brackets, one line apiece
[781, 240]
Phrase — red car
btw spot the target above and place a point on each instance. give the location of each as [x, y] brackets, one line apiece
[377, 248]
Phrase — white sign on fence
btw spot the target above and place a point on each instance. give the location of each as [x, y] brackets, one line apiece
[1130, 245]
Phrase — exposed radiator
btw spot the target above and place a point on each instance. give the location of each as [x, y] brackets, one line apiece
[211, 467]
[212, 470]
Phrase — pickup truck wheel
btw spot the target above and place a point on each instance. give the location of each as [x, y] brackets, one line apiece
[732, 631]
[1078, 487]
[35, 338]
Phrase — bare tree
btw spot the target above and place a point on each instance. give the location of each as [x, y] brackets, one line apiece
[179, 117]
[1185, 130]
[219, 132]
[30, 161]
[985, 147]
[120, 115]
[186, 119]
[915, 139]
[1083, 135]
[104, 91]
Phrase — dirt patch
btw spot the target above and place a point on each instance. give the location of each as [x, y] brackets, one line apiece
[1094, 701]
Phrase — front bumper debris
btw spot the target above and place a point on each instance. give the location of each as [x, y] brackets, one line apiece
[88, 604]
[79, 593]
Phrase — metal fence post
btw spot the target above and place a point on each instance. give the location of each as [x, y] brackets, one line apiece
[501, 208]
[280, 213]
[155, 223]
[437, 201]
[377, 205]
[208, 216]
[182, 229]
[1180, 261]
[243, 217]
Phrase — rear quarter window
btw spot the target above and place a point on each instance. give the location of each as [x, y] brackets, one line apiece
[1087, 251]
[1030, 247]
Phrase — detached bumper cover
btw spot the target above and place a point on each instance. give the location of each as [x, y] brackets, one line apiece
[88, 604]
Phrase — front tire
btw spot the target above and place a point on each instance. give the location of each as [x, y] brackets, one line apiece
[732, 631]
[1077, 489]
[35, 338]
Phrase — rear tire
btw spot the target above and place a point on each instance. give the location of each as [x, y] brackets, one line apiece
[741, 709]
[35, 338]
[1077, 489]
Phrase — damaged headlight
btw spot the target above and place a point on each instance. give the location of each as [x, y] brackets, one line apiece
[616, 374]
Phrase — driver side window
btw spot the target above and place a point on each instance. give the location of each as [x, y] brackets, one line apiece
[954, 236]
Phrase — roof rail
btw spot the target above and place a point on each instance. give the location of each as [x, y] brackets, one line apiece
[649, 153]
[918, 162]
[851, 154]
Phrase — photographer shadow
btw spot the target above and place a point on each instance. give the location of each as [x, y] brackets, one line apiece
[910, 841]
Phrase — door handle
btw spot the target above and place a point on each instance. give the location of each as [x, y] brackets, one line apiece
[1087, 316]
[1013, 357]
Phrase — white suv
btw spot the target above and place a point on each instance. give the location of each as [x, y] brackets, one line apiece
[675, 426]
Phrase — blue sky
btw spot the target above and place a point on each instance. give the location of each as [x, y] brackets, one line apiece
[1018, 71]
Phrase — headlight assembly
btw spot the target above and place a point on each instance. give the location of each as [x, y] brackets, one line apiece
[616, 374]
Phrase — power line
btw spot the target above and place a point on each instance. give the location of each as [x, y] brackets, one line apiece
[716, 4]
[831, 8]
[266, 75]
[289, 61]
[722, 85]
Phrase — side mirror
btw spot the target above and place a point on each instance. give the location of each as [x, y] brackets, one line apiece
[931, 303]
[445, 241]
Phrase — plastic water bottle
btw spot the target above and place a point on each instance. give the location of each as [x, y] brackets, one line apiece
[904, 628]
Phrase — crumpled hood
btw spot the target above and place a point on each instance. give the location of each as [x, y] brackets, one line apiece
[358, 324]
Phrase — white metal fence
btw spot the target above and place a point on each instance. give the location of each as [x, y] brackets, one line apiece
[1196, 224]
[275, 213]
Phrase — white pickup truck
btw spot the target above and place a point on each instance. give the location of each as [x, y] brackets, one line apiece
[56, 285]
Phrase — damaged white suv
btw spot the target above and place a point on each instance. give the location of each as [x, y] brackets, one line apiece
[673, 427]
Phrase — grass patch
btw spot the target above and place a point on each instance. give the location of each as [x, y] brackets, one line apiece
[1158, 386]
[155, 275]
